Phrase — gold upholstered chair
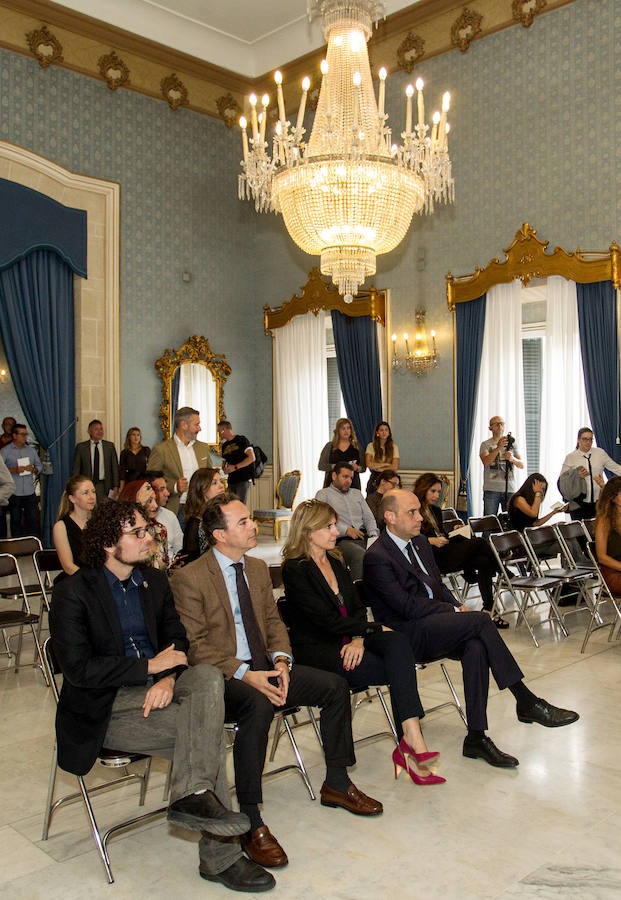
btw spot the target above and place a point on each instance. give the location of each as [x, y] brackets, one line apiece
[286, 490]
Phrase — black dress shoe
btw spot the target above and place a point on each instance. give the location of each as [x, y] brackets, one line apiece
[243, 875]
[544, 713]
[204, 812]
[486, 749]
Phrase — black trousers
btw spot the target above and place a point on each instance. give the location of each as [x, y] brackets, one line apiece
[475, 557]
[472, 638]
[253, 713]
[240, 489]
[388, 659]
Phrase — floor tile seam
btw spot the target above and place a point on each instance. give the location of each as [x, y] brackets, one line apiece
[582, 658]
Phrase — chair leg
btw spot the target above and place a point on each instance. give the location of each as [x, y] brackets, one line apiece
[8, 650]
[276, 738]
[390, 719]
[18, 652]
[315, 724]
[298, 756]
[144, 781]
[50, 796]
[166, 792]
[95, 829]
[456, 699]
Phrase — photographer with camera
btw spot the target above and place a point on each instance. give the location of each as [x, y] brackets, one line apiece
[499, 455]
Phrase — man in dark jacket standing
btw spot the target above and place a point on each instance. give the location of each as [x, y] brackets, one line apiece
[122, 651]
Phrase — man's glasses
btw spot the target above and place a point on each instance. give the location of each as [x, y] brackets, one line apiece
[140, 532]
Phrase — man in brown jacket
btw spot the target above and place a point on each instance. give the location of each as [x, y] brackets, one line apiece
[226, 604]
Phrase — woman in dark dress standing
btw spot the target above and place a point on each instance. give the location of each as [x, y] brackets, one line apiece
[343, 447]
[76, 505]
[329, 630]
[133, 461]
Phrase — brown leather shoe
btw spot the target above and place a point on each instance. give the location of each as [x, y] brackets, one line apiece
[354, 801]
[263, 848]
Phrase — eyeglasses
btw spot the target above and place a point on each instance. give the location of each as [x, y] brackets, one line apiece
[140, 532]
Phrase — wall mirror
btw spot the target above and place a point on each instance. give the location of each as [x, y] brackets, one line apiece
[193, 376]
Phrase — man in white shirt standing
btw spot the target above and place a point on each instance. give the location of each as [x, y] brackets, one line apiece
[179, 457]
[164, 516]
[355, 521]
[590, 463]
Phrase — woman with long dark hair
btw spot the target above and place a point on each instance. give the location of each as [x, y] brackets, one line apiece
[524, 507]
[470, 555]
[381, 454]
[608, 533]
[343, 447]
[329, 630]
[204, 484]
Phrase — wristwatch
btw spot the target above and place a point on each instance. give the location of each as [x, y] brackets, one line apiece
[284, 659]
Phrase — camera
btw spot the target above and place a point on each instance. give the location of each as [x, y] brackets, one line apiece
[510, 442]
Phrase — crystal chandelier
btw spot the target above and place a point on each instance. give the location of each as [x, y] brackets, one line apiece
[349, 193]
[423, 358]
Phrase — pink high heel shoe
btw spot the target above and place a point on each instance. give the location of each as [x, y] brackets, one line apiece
[419, 757]
[400, 761]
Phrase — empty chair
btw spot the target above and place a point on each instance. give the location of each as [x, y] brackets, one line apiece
[20, 617]
[482, 526]
[545, 546]
[22, 548]
[286, 490]
[510, 550]
[450, 513]
[602, 594]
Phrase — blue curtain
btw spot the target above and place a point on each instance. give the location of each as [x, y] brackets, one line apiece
[597, 323]
[36, 321]
[357, 358]
[469, 328]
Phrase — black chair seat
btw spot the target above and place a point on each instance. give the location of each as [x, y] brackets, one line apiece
[30, 589]
[106, 756]
[12, 617]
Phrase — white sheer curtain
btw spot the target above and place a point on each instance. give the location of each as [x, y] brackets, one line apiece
[563, 398]
[301, 397]
[198, 390]
[501, 382]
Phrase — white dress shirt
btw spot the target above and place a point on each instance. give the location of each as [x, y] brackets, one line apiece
[189, 463]
[173, 530]
[599, 461]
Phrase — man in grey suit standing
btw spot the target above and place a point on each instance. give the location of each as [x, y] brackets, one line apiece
[179, 457]
[97, 460]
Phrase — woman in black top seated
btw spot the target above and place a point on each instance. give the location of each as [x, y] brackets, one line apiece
[525, 505]
[204, 484]
[76, 505]
[472, 555]
[329, 630]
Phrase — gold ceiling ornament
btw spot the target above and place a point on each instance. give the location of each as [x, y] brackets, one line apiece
[348, 193]
[113, 70]
[45, 46]
[410, 51]
[174, 91]
[195, 350]
[524, 11]
[465, 29]
[319, 294]
[527, 258]
[229, 109]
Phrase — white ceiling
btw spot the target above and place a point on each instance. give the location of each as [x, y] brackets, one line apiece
[250, 37]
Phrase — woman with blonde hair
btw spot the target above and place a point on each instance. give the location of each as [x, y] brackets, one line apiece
[608, 533]
[134, 457]
[329, 630]
[76, 505]
[381, 455]
[204, 484]
[343, 447]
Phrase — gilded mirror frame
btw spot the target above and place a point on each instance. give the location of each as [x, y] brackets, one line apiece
[195, 350]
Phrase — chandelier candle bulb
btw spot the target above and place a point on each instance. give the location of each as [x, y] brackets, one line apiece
[407, 346]
[302, 109]
[252, 99]
[409, 92]
[279, 94]
[265, 100]
[242, 124]
[382, 92]
[446, 105]
[394, 345]
[436, 122]
[421, 103]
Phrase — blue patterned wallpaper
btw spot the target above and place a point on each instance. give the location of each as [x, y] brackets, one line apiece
[536, 128]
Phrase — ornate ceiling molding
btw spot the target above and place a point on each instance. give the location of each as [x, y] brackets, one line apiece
[527, 258]
[84, 41]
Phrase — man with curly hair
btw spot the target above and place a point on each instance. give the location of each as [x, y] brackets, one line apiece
[122, 651]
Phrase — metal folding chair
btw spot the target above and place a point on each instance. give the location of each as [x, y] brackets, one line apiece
[19, 618]
[456, 702]
[483, 526]
[510, 550]
[603, 594]
[116, 759]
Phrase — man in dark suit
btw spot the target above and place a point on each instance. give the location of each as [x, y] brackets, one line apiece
[406, 592]
[122, 652]
[226, 603]
[97, 460]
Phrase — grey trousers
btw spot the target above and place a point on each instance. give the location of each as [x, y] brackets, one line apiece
[190, 733]
[353, 552]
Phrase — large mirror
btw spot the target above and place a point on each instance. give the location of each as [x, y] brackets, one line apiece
[193, 376]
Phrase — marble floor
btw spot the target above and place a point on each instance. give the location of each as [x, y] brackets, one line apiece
[545, 830]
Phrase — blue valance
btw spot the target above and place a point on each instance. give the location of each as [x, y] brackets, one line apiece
[31, 221]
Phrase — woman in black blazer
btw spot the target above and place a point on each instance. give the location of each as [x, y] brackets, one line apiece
[329, 630]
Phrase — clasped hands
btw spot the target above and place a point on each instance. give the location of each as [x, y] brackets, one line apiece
[260, 680]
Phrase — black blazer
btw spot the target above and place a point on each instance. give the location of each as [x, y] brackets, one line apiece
[311, 612]
[88, 646]
[82, 463]
[398, 597]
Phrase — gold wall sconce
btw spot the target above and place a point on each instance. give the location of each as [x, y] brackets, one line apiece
[423, 356]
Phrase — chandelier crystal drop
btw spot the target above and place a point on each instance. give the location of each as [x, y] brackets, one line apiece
[348, 193]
